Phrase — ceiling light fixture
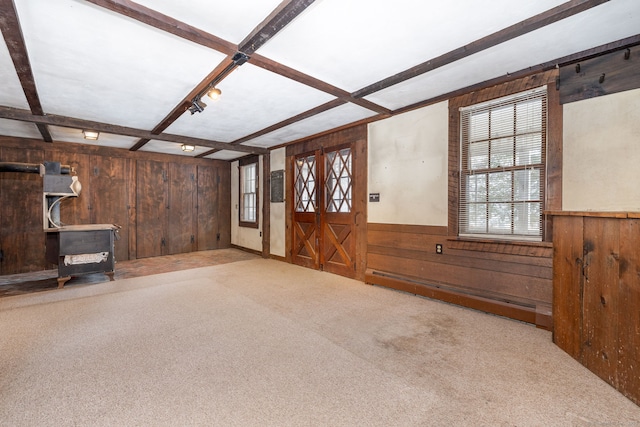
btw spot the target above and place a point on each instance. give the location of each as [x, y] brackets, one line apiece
[197, 106]
[214, 93]
[188, 148]
[91, 134]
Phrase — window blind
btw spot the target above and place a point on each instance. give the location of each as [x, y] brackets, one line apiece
[503, 147]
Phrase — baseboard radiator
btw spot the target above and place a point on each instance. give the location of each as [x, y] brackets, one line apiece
[538, 315]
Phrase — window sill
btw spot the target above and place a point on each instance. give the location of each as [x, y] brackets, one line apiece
[511, 247]
[248, 224]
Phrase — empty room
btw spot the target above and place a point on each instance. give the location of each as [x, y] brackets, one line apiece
[320, 212]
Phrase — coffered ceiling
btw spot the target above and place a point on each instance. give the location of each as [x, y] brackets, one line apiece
[287, 69]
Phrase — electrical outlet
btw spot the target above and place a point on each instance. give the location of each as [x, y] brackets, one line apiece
[439, 248]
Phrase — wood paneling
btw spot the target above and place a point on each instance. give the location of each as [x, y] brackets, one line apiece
[629, 310]
[500, 279]
[152, 204]
[110, 195]
[181, 232]
[597, 295]
[109, 198]
[207, 207]
[21, 237]
[603, 75]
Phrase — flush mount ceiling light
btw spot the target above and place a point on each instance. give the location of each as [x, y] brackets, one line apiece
[188, 148]
[91, 134]
[214, 93]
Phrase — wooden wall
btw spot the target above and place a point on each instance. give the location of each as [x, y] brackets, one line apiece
[508, 278]
[165, 204]
[596, 286]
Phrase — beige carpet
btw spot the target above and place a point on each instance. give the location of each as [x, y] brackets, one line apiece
[262, 343]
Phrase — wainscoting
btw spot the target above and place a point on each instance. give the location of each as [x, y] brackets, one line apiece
[512, 279]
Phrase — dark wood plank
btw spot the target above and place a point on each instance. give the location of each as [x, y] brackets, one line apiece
[567, 284]
[490, 284]
[629, 311]
[286, 12]
[151, 205]
[207, 206]
[601, 299]
[12, 33]
[283, 70]
[181, 232]
[553, 175]
[224, 205]
[606, 74]
[21, 236]
[52, 119]
[166, 23]
[265, 181]
[217, 75]
[110, 198]
[312, 112]
[558, 13]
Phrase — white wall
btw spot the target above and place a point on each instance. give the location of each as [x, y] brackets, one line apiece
[408, 167]
[250, 238]
[601, 153]
[278, 230]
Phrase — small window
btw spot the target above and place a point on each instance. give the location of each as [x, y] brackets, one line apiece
[249, 192]
[502, 167]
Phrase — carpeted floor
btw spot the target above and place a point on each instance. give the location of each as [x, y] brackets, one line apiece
[264, 343]
[25, 283]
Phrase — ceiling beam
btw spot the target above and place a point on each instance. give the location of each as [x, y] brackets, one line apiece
[290, 73]
[12, 33]
[309, 113]
[167, 23]
[286, 12]
[188, 32]
[545, 66]
[221, 71]
[536, 22]
[69, 122]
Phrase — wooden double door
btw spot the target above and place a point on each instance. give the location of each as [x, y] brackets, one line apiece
[324, 217]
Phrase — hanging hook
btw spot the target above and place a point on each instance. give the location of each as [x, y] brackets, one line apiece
[627, 54]
[601, 80]
[577, 68]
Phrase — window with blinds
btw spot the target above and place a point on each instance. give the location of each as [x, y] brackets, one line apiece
[502, 171]
[248, 193]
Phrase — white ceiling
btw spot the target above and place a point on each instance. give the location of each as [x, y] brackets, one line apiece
[93, 64]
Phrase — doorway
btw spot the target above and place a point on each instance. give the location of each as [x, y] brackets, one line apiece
[324, 218]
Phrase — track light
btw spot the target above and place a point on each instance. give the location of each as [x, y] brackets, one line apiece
[188, 148]
[214, 93]
[197, 106]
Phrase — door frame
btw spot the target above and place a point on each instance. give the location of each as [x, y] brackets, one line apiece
[357, 138]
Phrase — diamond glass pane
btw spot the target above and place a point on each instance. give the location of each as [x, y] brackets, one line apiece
[338, 181]
[305, 184]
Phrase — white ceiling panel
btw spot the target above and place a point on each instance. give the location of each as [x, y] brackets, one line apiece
[336, 117]
[171, 148]
[105, 139]
[97, 65]
[369, 40]
[20, 129]
[528, 50]
[229, 20]
[226, 155]
[11, 94]
[252, 99]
